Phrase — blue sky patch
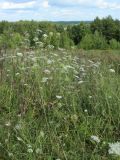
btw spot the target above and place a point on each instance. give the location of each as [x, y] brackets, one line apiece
[58, 10]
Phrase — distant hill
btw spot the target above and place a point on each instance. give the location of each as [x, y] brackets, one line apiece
[71, 22]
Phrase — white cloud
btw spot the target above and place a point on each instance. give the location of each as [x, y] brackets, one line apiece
[58, 9]
[87, 3]
[13, 5]
[22, 11]
[108, 5]
[62, 13]
[102, 4]
[45, 4]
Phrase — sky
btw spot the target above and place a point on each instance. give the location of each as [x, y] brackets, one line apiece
[58, 10]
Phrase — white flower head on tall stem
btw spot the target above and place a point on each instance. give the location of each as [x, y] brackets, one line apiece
[114, 148]
[95, 138]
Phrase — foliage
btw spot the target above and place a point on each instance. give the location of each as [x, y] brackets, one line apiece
[102, 31]
[96, 41]
[76, 32]
[114, 44]
[65, 42]
[10, 40]
[108, 27]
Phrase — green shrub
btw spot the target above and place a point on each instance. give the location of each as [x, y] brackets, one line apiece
[114, 44]
[93, 41]
[10, 40]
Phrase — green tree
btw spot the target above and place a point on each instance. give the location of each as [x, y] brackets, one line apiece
[109, 28]
[55, 40]
[10, 40]
[114, 44]
[93, 41]
[65, 41]
[77, 32]
[87, 42]
[99, 41]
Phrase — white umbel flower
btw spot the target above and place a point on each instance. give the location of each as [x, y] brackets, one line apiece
[19, 139]
[114, 148]
[17, 74]
[45, 35]
[58, 97]
[8, 124]
[44, 79]
[86, 110]
[80, 82]
[112, 70]
[42, 134]
[20, 54]
[10, 154]
[30, 150]
[46, 71]
[38, 151]
[95, 138]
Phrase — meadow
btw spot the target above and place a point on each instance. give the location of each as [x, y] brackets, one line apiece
[60, 105]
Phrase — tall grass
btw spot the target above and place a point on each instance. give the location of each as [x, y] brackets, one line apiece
[52, 102]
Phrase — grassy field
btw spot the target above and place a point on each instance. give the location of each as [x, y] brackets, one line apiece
[60, 105]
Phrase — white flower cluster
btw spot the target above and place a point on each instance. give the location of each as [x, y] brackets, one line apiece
[58, 97]
[29, 150]
[20, 54]
[95, 138]
[112, 70]
[114, 148]
[44, 79]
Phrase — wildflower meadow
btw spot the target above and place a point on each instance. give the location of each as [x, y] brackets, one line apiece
[59, 104]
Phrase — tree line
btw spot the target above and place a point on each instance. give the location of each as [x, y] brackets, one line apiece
[99, 34]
